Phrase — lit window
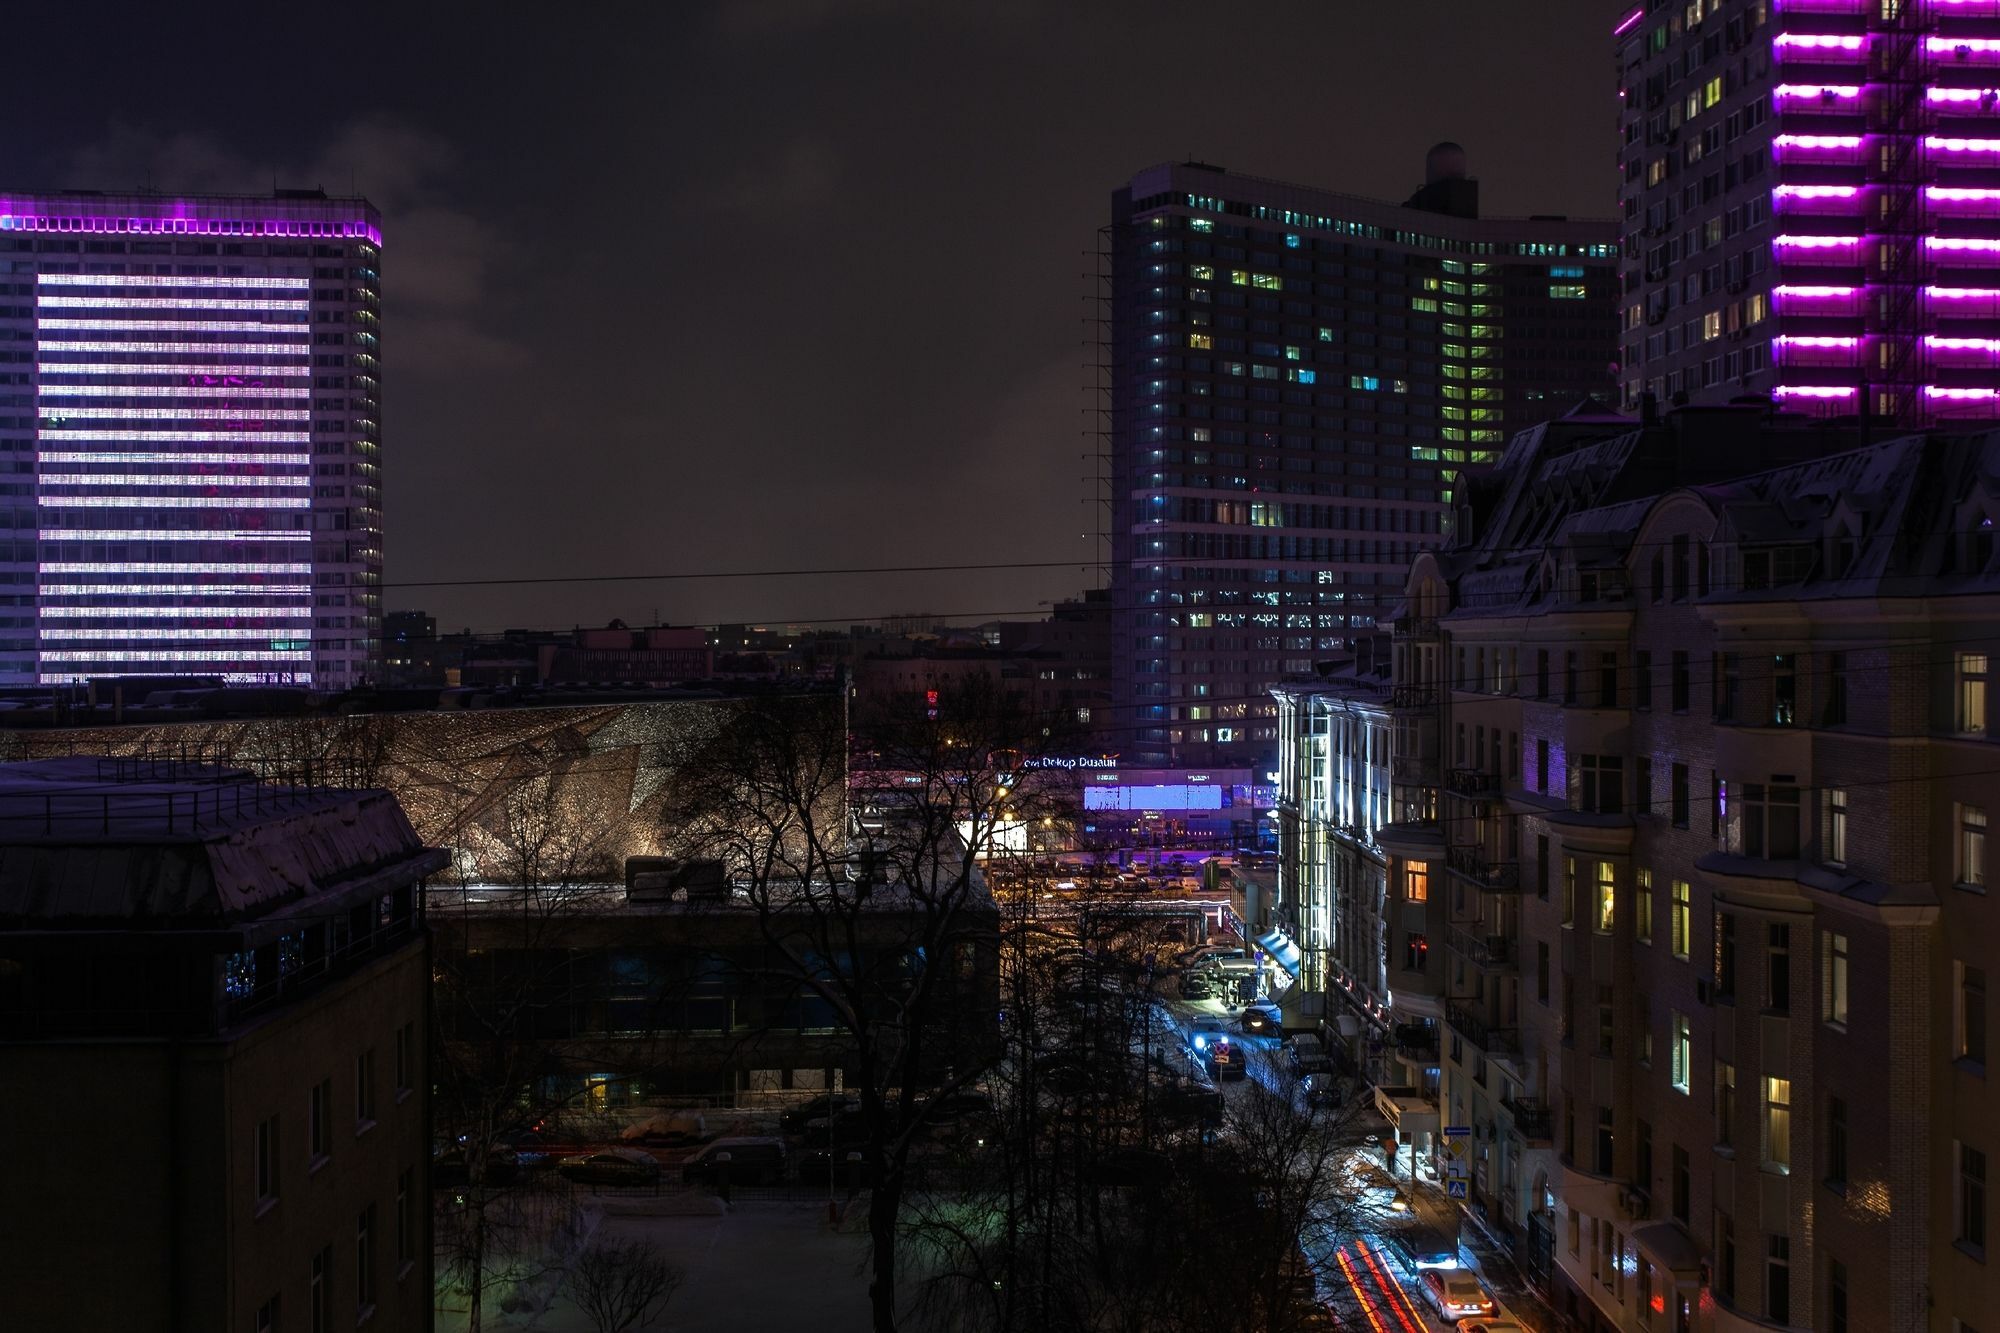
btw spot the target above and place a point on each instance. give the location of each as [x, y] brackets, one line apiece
[1607, 898]
[1833, 962]
[1201, 342]
[1568, 291]
[1200, 224]
[1777, 1124]
[1202, 272]
[1971, 845]
[1711, 92]
[1972, 694]
[1417, 881]
[1683, 1052]
[1680, 923]
[1834, 845]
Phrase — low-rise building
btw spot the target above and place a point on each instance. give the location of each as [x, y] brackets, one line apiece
[213, 1048]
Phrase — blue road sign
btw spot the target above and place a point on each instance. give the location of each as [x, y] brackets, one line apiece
[1456, 1189]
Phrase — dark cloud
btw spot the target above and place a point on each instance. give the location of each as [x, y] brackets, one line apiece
[778, 283]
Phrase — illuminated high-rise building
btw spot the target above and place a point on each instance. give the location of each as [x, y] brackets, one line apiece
[1811, 205]
[192, 462]
[1296, 375]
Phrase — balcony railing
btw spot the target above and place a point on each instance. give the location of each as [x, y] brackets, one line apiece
[1415, 627]
[1535, 1121]
[1493, 876]
[1418, 768]
[1416, 1042]
[1414, 696]
[1494, 1040]
[1474, 782]
[1483, 950]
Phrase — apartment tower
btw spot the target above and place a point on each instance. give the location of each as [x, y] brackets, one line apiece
[1294, 375]
[194, 455]
[1810, 205]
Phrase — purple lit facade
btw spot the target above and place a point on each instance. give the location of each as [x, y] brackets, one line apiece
[197, 488]
[1810, 196]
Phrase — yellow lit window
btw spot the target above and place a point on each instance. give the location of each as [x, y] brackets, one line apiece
[1239, 278]
[1201, 342]
[1711, 92]
[1417, 881]
[1204, 272]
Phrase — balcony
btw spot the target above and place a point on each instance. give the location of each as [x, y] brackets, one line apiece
[1492, 1040]
[1420, 769]
[1476, 783]
[1483, 950]
[1415, 627]
[1534, 1121]
[1492, 876]
[1414, 697]
[1416, 1042]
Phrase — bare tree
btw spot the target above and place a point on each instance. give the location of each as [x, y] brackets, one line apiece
[621, 1286]
[878, 907]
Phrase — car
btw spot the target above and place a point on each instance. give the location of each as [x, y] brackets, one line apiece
[837, 1130]
[1226, 1059]
[1263, 1018]
[1200, 985]
[964, 1104]
[846, 1167]
[1492, 1326]
[611, 1166]
[1419, 1247]
[746, 1159]
[1455, 1293]
[793, 1120]
[1204, 1029]
[449, 1167]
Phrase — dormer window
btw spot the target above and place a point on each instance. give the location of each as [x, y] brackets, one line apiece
[1586, 586]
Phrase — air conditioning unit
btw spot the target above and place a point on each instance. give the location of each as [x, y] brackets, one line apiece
[1634, 1202]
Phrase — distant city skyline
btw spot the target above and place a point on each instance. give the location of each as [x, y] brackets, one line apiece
[716, 298]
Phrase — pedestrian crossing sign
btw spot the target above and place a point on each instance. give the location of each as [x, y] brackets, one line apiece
[1455, 1189]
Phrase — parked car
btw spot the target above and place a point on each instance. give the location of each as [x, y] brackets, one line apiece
[793, 1120]
[449, 1167]
[681, 1130]
[1456, 1294]
[611, 1166]
[749, 1160]
[846, 1168]
[952, 1107]
[837, 1130]
[1492, 1326]
[1200, 985]
[1263, 1018]
[1420, 1247]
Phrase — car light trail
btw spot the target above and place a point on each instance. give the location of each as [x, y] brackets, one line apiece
[1354, 1284]
[1393, 1288]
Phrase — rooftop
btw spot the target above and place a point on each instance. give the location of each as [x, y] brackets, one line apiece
[88, 841]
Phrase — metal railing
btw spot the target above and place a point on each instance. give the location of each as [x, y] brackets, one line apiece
[1474, 782]
[1492, 876]
[1487, 1037]
[1414, 696]
[1415, 627]
[1484, 950]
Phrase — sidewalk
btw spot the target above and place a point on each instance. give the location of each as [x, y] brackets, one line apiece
[1490, 1252]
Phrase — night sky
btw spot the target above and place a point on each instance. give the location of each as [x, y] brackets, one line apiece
[774, 284]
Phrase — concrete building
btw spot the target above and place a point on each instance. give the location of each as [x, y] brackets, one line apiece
[1808, 201]
[197, 458]
[1292, 374]
[678, 987]
[213, 1043]
[1709, 698]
